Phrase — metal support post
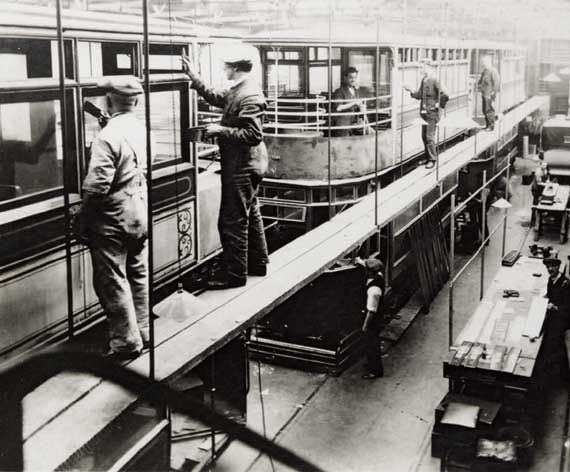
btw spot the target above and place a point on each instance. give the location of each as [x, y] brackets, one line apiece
[451, 268]
[503, 247]
[483, 235]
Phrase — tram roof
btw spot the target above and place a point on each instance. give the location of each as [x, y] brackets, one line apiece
[31, 14]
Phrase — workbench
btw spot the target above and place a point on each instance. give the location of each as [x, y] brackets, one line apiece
[558, 211]
[493, 359]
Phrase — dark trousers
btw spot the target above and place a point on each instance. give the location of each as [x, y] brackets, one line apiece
[372, 348]
[240, 224]
[489, 110]
[428, 135]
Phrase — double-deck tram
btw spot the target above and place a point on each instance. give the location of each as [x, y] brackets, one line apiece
[32, 232]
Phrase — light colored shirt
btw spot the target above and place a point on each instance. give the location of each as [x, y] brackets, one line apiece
[373, 295]
[118, 153]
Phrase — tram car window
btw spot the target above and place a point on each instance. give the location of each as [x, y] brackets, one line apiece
[164, 58]
[97, 59]
[32, 59]
[166, 119]
[31, 147]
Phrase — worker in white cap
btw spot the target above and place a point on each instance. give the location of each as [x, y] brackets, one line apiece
[243, 161]
[114, 219]
[375, 288]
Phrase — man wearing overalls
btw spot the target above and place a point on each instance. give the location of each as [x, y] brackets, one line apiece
[114, 219]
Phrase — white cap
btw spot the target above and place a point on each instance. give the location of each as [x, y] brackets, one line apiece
[240, 53]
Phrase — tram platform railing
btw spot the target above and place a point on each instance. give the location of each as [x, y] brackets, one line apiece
[316, 115]
[23, 376]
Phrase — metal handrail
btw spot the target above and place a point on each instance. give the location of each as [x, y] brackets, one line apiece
[21, 377]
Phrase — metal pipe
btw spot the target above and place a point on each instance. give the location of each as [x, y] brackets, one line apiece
[329, 150]
[483, 236]
[504, 243]
[451, 271]
[376, 157]
[67, 183]
[146, 47]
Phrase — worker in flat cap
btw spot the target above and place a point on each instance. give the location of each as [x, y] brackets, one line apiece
[375, 288]
[557, 322]
[114, 218]
[432, 99]
[243, 161]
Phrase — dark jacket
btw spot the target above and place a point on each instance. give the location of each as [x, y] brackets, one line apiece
[558, 293]
[429, 94]
[489, 82]
[346, 119]
[241, 140]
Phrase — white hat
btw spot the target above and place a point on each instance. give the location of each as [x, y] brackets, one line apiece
[240, 53]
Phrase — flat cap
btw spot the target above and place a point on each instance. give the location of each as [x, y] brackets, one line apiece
[374, 265]
[124, 85]
[552, 261]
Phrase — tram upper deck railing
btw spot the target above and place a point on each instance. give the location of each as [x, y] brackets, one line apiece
[303, 116]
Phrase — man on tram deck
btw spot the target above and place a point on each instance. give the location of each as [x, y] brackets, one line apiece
[244, 163]
[352, 104]
[489, 84]
[431, 95]
[113, 219]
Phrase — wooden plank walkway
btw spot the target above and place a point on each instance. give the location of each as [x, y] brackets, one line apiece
[182, 345]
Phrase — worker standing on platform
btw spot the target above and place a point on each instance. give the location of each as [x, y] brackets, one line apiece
[557, 322]
[375, 287]
[432, 98]
[351, 105]
[113, 219]
[243, 161]
[489, 85]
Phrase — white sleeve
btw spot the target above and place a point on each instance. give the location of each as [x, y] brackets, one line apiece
[373, 295]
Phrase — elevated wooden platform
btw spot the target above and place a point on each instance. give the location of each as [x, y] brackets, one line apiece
[73, 408]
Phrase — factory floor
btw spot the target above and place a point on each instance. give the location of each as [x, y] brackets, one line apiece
[346, 423]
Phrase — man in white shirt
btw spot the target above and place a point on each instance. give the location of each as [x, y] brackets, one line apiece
[375, 288]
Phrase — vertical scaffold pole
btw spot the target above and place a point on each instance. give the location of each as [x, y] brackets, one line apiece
[451, 267]
[483, 232]
[146, 50]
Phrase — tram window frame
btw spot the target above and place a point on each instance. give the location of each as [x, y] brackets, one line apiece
[167, 49]
[183, 116]
[316, 61]
[300, 63]
[39, 52]
[70, 174]
[108, 55]
[371, 90]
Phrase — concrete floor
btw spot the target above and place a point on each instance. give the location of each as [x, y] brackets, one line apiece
[348, 424]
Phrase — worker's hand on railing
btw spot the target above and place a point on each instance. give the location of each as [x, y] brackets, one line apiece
[213, 130]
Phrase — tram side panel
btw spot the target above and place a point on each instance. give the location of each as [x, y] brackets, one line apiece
[33, 305]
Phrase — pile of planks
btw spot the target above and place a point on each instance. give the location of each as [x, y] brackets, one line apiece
[431, 254]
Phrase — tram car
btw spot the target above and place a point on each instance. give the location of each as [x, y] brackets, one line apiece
[305, 165]
[38, 167]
